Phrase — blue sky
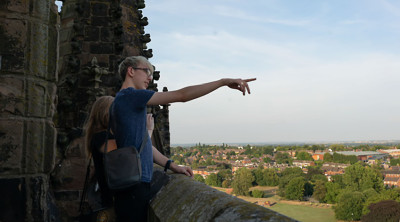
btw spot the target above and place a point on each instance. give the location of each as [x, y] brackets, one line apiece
[326, 70]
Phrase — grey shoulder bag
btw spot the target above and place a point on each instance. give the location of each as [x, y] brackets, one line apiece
[122, 166]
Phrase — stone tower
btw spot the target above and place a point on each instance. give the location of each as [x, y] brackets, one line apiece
[52, 68]
[28, 76]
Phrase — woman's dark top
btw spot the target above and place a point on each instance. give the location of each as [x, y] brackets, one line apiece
[97, 141]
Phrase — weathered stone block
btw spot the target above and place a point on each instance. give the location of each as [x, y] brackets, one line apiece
[65, 48]
[12, 93]
[50, 140]
[13, 199]
[15, 6]
[52, 54]
[100, 21]
[38, 53]
[102, 48]
[40, 137]
[184, 198]
[13, 43]
[68, 9]
[11, 146]
[100, 9]
[34, 135]
[65, 35]
[41, 9]
[92, 33]
[36, 99]
[106, 34]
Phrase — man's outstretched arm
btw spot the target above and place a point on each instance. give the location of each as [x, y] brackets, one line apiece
[196, 91]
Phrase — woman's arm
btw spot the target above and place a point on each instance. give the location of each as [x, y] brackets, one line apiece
[193, 92]
[162, 160]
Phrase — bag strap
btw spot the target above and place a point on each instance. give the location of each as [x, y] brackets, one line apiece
[86, 184]
[145, 136]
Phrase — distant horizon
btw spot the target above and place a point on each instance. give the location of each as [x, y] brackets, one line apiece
[375, 142]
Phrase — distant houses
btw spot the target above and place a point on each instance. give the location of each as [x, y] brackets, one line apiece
[236, 158]
[392, 177]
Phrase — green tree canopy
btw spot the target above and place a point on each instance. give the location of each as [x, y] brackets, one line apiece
[270, 178]
[319, 191]
[332, 192]
[304, 156]
[214, 180]
[359, 178]
[242, 181]
[283, 158]
[349, 206]
[199, 178]
[257, 193]
[295, 189]
[328, 157]
[293, 170]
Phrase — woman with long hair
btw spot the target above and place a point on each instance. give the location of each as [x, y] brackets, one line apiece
[95, 136]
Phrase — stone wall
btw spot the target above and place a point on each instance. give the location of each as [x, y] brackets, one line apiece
[28, 75]
[95, 35]
[184, 199]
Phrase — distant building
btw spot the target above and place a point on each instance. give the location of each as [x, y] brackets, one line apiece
[331, 169]
[303, 163]
[204, 172]
[364, 155]
[392, 176]
[318, 156]
[392, 152]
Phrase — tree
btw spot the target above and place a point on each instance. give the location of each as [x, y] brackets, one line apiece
[359, 178]
[319, 191]
[394, 162]
[332, 192]
[304, 156]
[282, 158]
[387, 210]
[214, 180]
[267, 160]
[257, 193]
[258, 176]
[226, 176]
[293, 170]
[295, 189]
[242, 181]
[287, 175]
[349, 205]
[328, 157]
[270, 178]
[312, 171]
[199, 178]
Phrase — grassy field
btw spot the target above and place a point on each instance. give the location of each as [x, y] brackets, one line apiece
[305, 213]
[299, 210]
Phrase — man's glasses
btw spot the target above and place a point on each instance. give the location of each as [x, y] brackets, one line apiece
[147, 70]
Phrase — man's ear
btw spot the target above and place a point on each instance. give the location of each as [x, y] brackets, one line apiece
[130, 71]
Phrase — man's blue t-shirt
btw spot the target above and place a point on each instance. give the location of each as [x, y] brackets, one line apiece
[128, 124]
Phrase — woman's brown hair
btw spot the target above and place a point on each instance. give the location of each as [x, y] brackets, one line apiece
[98, 120]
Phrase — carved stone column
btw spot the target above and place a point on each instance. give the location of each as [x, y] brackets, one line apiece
[94, 38]
[28, 67]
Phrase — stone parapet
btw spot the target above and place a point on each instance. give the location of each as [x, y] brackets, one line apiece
[184, 199]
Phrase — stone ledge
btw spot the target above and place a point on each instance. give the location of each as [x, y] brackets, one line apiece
[184, 199]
